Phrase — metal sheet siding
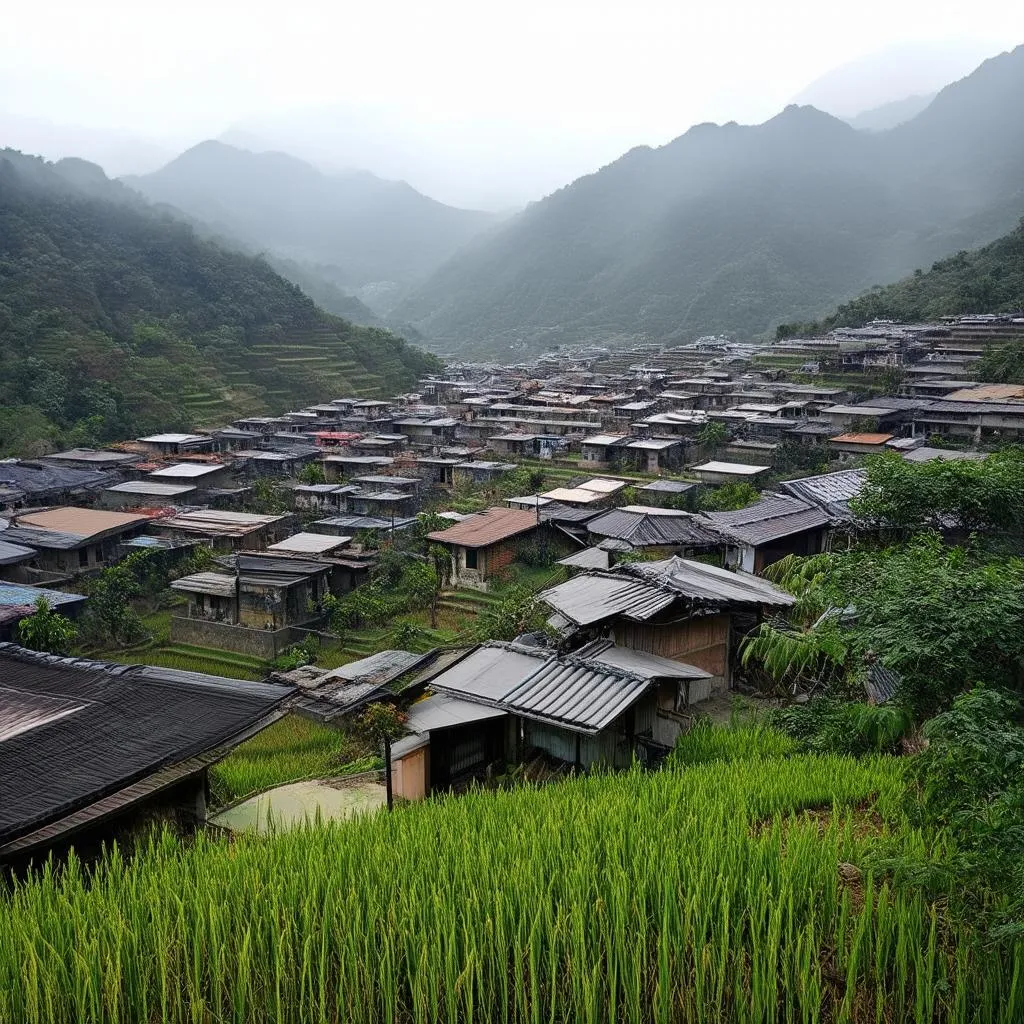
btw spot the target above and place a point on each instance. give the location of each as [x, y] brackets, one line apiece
[701, 642]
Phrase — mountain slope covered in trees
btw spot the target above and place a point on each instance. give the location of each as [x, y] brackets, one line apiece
[364, 235]
[737, 228]
[117, 320]
[985, 280]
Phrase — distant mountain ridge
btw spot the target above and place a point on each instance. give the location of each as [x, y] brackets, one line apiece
[889, 115]
[367, 236]
[737, 228]
[116, 319]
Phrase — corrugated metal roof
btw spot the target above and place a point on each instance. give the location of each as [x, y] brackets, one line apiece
[730, 468]
[556, 512]
[365, 522]
[926, 454]
[640, 663]
[577, 495]
[488, 527]
[576, 695]
[189, 470]
[588, 558]
[488, 672]
[22, 595]
[594, 597]
[974, 408]
[443, 711]
[773, 517]
[218, 584]
[654, 528]
[277, 571]
[380, 668]
[152, 487]
[100, 457]
[881, 683]
[606, 440]
[708, 583]
[832, 491]
[217, 523]
[36, 479]
[668, 486]
[12, 554]
[174, 438]
[309, 543]
[603, 485]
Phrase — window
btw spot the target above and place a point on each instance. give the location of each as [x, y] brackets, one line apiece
[83, 557]
[470, 558]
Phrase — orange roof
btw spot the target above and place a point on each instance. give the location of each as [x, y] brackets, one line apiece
[487, 527]
[862, 438]
[80, 522]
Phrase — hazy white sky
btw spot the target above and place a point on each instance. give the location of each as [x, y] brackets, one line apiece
[576, 81]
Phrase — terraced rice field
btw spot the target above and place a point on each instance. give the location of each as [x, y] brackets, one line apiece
[745, 891]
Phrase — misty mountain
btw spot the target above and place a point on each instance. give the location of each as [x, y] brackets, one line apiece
[889, 115]
[737, 228]
[118, 319]
[918, 68]
[362, 234]
[117, 152]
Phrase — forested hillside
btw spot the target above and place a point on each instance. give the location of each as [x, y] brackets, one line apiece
[985, 280]
[737, 228]
[116, 320]
[360, 233]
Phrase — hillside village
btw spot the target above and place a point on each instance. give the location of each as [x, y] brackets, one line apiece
[549, 564]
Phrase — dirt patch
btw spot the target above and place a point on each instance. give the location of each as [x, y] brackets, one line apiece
[866, 819]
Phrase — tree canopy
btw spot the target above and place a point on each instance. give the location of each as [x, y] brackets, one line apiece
[117, 319]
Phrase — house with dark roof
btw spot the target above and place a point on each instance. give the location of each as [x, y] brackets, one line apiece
[484, 544]
[772, 528]
[829, 491]
[648, 528]
[254, 608]
[42, 483]
[85, 745]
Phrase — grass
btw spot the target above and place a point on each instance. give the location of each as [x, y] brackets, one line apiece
[292, 749]
[719, 892]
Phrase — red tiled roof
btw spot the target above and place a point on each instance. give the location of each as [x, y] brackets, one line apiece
[487, 527]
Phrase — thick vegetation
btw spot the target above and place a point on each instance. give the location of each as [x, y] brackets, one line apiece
[689, 895]
[115, 320]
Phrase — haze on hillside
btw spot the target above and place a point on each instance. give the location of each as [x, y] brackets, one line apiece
[478, 106]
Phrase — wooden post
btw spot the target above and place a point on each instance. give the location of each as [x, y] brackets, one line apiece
[387, 770]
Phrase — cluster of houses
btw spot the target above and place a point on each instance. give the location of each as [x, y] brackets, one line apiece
[633, 647]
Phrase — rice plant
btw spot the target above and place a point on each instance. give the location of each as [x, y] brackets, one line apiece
[690, 895]
[290, 750]
[705, 742]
